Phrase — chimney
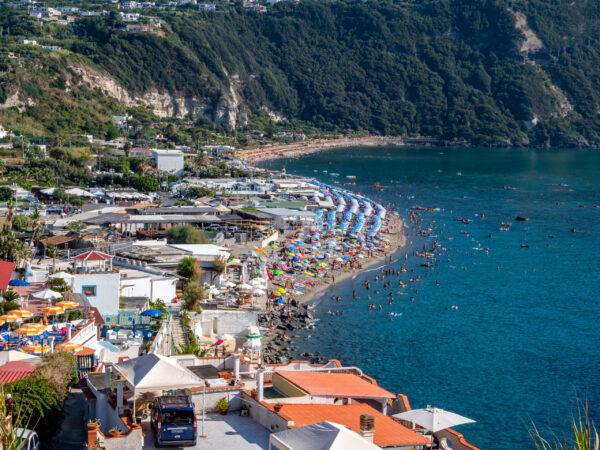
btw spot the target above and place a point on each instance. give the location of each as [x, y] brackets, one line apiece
[367, 427]
[260, 384]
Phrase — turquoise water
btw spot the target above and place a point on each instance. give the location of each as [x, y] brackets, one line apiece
[524, 343]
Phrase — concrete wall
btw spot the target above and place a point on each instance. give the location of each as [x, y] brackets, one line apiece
[211, 399]
[153, 288]
[172, 163]
[103, 411]
[228, 322]
[265, 416]
[107, 290]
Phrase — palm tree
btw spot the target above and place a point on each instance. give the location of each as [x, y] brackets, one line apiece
[36, 228]
[52, 252]
[10, 296]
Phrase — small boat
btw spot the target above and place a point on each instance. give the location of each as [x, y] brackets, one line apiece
[465, 220]
[351, 177]
[505, 226]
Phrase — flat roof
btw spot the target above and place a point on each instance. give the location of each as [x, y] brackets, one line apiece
[334, 384]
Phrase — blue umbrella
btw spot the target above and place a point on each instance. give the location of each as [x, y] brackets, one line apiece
[18, 283]
[151, 313]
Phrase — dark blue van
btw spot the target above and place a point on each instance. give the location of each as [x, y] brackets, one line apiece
[174, 421]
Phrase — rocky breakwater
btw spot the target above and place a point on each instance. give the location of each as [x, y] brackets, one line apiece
[282, 322]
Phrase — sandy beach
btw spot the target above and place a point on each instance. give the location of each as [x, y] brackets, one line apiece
[396, 239]
[293, 149]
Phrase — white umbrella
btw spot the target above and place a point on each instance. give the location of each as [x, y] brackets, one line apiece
[244, 287]
[258, 292]
[258, 282]
[433, 419]
[47, 294]
[229, 284]
[62, 275]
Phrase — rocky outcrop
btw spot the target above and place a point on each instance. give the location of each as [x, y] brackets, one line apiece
[531, 42]
[229, 111]
[17, 99]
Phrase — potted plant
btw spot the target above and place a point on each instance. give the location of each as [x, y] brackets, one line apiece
[223, 406]
[114, 432]
[93, 424]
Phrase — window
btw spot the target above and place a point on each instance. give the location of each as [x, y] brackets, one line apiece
[89, 291]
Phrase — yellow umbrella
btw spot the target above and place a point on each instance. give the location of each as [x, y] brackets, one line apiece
[53, 310]
[22, 313]
[69, 347]
[2, 322]
[36, 348]
[10, 317]
[28, 331]
[67, 304]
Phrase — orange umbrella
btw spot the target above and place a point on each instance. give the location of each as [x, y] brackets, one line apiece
[23, 313]
[53, 310]
[36, 348]
[30, 331]
[69, 347]
[10, 317]
[66, 304]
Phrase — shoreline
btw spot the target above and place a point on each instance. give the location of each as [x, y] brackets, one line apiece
[293, 149]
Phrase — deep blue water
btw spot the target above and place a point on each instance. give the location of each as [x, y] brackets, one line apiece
[524, 343]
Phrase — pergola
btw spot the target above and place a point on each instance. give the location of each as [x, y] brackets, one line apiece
[99, 260]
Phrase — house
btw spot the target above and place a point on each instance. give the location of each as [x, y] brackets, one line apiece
[140, 152]
[170, 161]
[386, 432]
[29, 42]
[129, 17]
[3, 132]
[143, 284]
[207, 7]
[95, 279]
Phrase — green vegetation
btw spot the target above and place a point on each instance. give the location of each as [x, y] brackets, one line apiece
[186, 234]
[448, 69]
[39, 398]
[583, 436]
[193, 293]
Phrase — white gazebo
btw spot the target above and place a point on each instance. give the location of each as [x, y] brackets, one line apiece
[320, 436]
[153, 374]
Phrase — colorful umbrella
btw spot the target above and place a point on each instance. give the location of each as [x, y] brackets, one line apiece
[53, 310]
[67, 304]
[36, 348]
[69, 347]
[22, 313]
[10, 317]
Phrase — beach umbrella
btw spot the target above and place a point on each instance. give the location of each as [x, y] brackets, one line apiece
[244, 287]
[53, 310]
[10, 318]
[36, 348]
[30, 331]
[47, 294]
[2, 322]
[278, 272]
[69, 347]
[258, 292]
[154, 313]
[62, 275]
[67, 304]
[22, 313]
[18, 283]
[433, 419]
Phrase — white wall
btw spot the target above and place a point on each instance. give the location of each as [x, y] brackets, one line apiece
[153, 288]
[172, 163]
[107, 290]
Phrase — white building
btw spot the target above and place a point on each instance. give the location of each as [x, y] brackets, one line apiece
[102, 290]
[135, 283]
[168, 161]
[3, 132]
[288, 218]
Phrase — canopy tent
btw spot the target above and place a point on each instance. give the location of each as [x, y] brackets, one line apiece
[78, 192]
[47, 294]
[320, 436]
[156, 373]
[433, 419]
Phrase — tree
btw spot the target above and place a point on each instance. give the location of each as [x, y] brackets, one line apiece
[186, 234]
[52, 252]
[218, 268]
[76, 227]
[188, 268]
[192, 295]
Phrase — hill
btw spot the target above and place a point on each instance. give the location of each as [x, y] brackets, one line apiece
[487, 72]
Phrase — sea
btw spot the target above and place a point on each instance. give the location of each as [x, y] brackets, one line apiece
[504, 328]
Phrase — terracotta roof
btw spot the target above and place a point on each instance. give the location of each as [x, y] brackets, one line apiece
[388, 432]
[6, 270]
[15, 371]
[334, 384]
[57, 240]
[93, 255]
[86, 351]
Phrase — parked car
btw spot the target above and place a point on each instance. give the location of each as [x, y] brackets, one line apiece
[29, 439]
[174, 421]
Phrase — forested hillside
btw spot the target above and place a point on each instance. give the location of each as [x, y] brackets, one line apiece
[497, 72]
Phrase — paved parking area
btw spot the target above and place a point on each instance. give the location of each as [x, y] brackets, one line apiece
[223, 432]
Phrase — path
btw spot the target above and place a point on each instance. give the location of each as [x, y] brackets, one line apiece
[72, 434]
